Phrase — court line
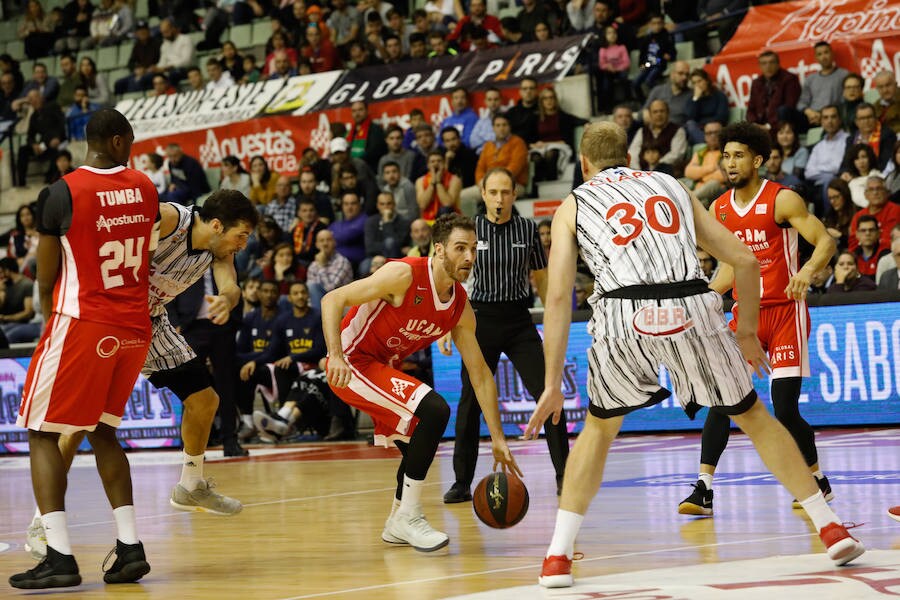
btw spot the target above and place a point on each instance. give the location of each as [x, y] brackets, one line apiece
[537, 566]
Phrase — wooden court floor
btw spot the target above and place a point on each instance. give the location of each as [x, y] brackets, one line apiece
[314, 513]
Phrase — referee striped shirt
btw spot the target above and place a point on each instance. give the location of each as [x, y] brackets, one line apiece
[507, 253]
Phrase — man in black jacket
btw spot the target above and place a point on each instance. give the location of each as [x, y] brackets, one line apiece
[46, 131]
[188, 179]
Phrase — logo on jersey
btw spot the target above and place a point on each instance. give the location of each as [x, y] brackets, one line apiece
[109, 223]
[393, 342]
[761, 209]
[417, 299]
[723, 216]
[398, 386]
[755, 239]
[107, 346]
[418, 329]
[118, 197]
[661, 320]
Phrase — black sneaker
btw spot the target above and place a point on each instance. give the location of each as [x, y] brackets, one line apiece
[56, 570]
[232, 447]
[457, 493]
[700, 502]
[824, 486]
[131, 563]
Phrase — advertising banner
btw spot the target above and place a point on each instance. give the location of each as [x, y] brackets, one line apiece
[855, 377]
[863, 35]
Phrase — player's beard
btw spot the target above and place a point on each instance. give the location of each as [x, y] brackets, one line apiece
[738, 183]
[453, 270]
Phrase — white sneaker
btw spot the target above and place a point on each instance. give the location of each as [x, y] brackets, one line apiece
[386, 534]
[274, 426]
[203, 499]
[36, 539]
[416, 531]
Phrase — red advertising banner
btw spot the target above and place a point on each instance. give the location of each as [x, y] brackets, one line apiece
[864, 34]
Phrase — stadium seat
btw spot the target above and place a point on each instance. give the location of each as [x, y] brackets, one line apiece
[124, 53]
[685, 50]
[107, 58]
[813, 135]
[16, 49]
[262, 30]
[241, 35]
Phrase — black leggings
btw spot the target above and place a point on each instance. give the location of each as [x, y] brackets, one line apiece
[786, 402]
[433, 414]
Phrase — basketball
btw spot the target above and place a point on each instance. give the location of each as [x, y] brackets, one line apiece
[500, 500]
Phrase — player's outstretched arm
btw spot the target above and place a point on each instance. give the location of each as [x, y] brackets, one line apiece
[388, 283]
[790, 207]
[721, 243]
[484, 386]
[557, 315]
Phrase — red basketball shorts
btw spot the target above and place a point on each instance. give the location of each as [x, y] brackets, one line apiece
[81, 374]
[389, 396]
[784, 332]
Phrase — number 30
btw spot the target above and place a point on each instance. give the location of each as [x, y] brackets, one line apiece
[129, 254]
[625, 212]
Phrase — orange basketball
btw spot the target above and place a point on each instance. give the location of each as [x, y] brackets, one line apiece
[500, 500]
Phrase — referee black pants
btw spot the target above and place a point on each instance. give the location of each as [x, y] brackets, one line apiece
[217, 343]
[504, 327]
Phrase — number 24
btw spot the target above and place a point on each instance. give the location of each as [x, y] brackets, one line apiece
[121, 254]
[625, 212]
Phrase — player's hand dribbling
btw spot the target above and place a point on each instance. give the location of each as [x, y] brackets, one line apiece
[339, 373]
[753, 353]
[219, 309]
[550, 403]
[504, 458]
[799, 284]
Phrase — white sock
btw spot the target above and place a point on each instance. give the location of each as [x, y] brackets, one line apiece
[707, 479]
[126, 524]
[567, 525]
[191, 471]
[818, 474]
[57, 531]
[285, 413]
[37, 513]
[817, 509]
[412, 495]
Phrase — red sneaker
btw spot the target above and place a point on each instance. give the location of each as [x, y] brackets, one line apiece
[894, 513]
[556, 572]
[842, 547]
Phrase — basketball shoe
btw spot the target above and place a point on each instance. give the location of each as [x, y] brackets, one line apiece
[36, 539]
[842, 547]
[894, 513]
[415, 530]
[274, 426]
[130, 564]
[386, 534]
[56, 570]
[556, 572]
[204, 499]
[458, 492]
[826, 491]
[700, 502]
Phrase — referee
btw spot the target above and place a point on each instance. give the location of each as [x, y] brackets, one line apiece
[509, 248]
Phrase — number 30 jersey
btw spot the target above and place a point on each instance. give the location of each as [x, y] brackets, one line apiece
[106, 221]
[635, 228]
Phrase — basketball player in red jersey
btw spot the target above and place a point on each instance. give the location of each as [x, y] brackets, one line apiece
[405, 306]
[638, 232]
[768, 218]
[98, 229]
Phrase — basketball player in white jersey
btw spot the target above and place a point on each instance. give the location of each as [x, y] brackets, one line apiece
[191, 239]
[638, 232]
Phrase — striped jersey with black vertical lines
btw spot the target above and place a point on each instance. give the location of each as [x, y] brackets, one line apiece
[176, 265]
[635, 228]
[506, 255]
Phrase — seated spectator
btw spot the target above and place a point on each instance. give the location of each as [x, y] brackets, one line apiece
[393, 50]
[554, 147]
[144, 56]
[676, 93]
[252, 73]
[232, 62]
[25, 333]
[194, 81]
[76, 25]
[523, 115]
[656, 48]
[795, 155]
[703, 171]
[386, 234]
[100, 25]
[23, 240]
[444, 11]
[775, 88]
[349, 181]
[544, 234]
[63, 167]
[484, 127]
[623, 116]
[68, 80]
[79, 114]
[284, 269]
[438, 191]
[187, 180]
[350, 231]
[851, 98]
[820, 88]
[36, 30]
[8, 95]
[343, 23]
[774, 171]
[161, 87]
[869, 131]
[47, 86]
[892, 181]
[262, 181]
[259, 251]
[176, 54]
[439, 46]
[416, 119]
[707, 104]
[847, 277]
[320, 53]
[708, 263]
[329, 271]
[420, 235]
[253, 339]
[458, 158]
[649, 159]
[463, 117]
[366, 137]
[152, 167]
[887, 213]
[234, 177]
[888, 104]
[417, 47]
[476, 17]
[840, 212]
[46, 131]
[307, 227]
[362, 56]
[669, 138]
[93, 81]
[507, 150]
[826, 156]
[280, 50]
[18, 306]
[309, 191]
[425, 143]
[283, 206]
[402, 189]
[218, 79]
[407, 160]
[871, 248]
[888, 281]
[861, 165]
[122, 24]
[613, 65]
[821, 281]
